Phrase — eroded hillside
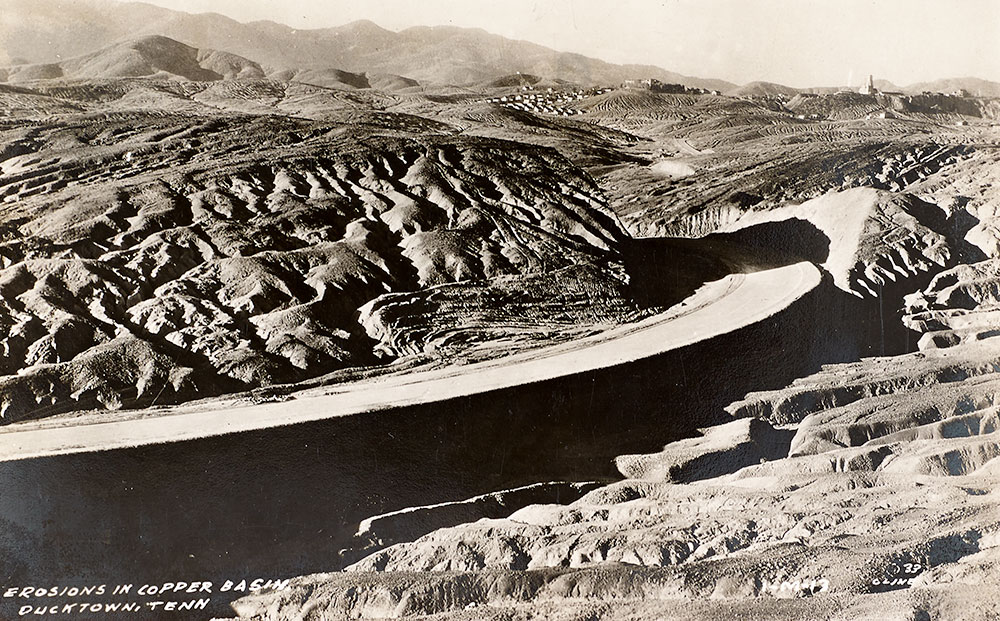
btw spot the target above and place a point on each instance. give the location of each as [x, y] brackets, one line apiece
[203, 254]
[204, 231]
[865, 490]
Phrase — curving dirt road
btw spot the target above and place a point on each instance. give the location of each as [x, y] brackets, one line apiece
[722, 306]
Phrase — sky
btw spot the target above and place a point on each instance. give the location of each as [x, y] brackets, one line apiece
[799, 43]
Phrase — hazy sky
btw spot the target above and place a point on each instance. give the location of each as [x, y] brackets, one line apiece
[795, 42]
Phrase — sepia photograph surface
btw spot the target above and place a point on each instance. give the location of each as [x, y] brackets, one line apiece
[529, 310]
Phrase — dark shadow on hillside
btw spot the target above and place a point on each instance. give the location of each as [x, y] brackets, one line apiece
[665, 270]
[773, 244]
[282, 502]
[286, 501]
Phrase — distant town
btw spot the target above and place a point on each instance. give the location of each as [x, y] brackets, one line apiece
[559, 100]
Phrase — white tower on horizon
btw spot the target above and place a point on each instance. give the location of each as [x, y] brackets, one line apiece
[868, 89]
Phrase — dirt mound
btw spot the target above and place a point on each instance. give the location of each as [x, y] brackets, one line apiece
[229, 66]
[390, 82]
[635, 101]
[841, 385]
[515, 80]
[379, 531]
[717, 451]
[961, 304]
[839, 106]
[503, 313]
[17, 102]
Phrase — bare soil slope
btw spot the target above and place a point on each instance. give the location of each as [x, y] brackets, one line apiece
[865, 490]
[174, 224]
[204, 254]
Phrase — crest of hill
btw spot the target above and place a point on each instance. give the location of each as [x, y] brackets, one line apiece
[38, 31]
[391, 82]
[762, 89]
[974, 86]
[329, 77]
[517, 79]
[142, 57]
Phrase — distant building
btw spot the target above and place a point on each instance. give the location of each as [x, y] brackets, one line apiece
[654, 85]
[881, 114]
[869, 88]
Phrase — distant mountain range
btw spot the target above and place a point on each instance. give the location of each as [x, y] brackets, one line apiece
[45, 33]
[156, 56]
[42, 39]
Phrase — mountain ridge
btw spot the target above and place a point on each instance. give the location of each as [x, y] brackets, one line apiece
[428, 54]
[45, 35]
[145, 56]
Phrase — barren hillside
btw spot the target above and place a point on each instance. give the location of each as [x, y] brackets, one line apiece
[864, 490]
[202, 253]
[536, 347]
